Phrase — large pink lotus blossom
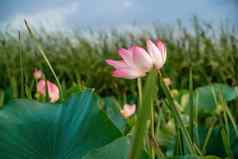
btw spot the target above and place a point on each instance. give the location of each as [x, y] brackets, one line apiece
[135, 63]
[53, 90]
[157, 52]
[128, 110]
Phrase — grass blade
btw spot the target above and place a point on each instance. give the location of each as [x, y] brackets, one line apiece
[45, 58]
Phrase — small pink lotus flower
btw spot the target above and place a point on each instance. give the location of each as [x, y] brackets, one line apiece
[128, 110]
[134, 64]
[37, 74]
[53, 90]
[157, 52]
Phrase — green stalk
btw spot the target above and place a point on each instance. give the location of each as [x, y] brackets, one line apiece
[191, 112]
[45, 58]
[158, 151]
[182, 144]
[209, 133]
[227, 127]
[230, 116]
[152, 131]
[150, 90]
[231, 119]
[196, 119]
[225, 132]
[46, 98]
[21, 66]
[1, 98]
[179, 142]
[139, 85]
[177, 145]
[172, 107]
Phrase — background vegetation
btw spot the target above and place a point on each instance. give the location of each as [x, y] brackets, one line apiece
[77, 59]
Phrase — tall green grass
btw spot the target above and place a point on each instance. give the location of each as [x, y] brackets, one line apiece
[77, 59]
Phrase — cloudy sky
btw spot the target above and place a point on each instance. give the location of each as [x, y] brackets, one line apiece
[66, 14]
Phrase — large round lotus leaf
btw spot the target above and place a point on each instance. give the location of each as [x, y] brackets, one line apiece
[208, 98]
[215, 145]
[119, 149]
[31, 130]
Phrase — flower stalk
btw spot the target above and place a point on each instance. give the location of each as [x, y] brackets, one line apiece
[177, 117]
[139, 86]
[150, 90]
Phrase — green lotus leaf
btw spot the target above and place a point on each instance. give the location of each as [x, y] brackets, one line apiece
[208, 99]
[119, 149]
[31, 130]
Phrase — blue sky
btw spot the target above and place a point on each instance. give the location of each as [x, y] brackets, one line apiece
[67, 14]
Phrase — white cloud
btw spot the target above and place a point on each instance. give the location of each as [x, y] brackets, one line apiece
[113, 13]
[53, 19]
[127, 4]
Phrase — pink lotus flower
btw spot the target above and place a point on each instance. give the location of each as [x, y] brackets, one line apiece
[157, 52]
[37, 74]
[53, 90]
[128, 110]
[135, 63]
